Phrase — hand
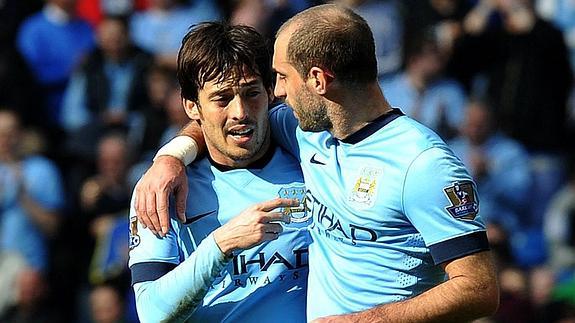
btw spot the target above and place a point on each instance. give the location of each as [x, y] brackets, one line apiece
[167, 175]
[90, 193]
[253, 226]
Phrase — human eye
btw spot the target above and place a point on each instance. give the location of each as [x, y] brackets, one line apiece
[222, 100]
[253, 93]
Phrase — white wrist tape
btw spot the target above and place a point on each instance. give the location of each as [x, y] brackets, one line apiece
[183, 148]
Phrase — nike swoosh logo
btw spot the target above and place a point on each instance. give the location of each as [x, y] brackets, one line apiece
[315, 161]
[199, 216]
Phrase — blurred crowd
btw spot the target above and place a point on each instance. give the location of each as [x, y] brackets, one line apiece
[88, 93]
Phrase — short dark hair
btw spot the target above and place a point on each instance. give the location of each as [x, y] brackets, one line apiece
[335, 38]
[219, 51]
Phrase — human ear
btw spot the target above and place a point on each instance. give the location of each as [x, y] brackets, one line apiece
[191, 109]
[319, 79]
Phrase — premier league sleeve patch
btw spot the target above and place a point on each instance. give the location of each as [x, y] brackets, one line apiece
[134, 237]
[464, 204]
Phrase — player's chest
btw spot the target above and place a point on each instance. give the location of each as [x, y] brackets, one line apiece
[355, 192]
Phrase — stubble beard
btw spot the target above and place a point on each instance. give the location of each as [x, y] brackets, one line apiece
[311, 112]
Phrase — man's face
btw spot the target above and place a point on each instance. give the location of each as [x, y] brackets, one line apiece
[476, 125]
[9, 134]
[112, 37]
[234, 119]
[309, 108]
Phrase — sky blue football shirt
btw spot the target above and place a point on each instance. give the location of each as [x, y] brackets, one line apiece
[389, 204]
[264, 284]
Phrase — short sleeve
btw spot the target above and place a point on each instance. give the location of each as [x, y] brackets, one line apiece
[440, 200]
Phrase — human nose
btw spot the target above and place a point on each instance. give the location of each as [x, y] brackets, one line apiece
[279, 90]
[238, 109]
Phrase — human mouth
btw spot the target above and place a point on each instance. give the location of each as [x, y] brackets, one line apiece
[241, 134]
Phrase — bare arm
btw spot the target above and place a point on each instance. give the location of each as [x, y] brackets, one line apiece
[167, 175]
[470, 292]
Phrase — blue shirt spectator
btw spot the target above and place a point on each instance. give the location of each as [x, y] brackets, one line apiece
[439, 106]
[52, 42]
[161, 28]
[499, 165]
[31, 197]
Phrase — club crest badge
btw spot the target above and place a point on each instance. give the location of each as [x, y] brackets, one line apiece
[134, 237]
[365, 189]
[298, 214]
[463, 200]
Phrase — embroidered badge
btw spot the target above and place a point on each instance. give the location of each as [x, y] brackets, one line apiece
[463, 200]
[298, 214]
[365, 189]
[134, 237]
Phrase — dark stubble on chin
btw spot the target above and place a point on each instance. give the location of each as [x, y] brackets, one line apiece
[311, 112]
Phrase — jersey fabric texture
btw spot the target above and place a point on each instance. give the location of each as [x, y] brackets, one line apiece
[186, 269]
[389, 204]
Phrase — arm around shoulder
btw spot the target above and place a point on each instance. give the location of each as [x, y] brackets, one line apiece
[470, 292]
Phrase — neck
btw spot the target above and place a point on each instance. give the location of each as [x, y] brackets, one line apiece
[257, 162]
[355, 109]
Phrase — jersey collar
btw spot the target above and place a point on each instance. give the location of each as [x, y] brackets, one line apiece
[258, 164]
[373, 126]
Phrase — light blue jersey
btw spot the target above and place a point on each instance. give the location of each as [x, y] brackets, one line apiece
[389, 204]
[264, 284]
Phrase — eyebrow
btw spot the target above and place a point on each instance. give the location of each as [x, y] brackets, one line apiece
[252, 83]
[278, 72]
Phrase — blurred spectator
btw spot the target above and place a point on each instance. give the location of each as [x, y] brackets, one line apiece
[107, 304]
[541, 283]
[31, 197]
[107, 192]
[177, 117]
[386, 23]
[11, 265]
[514, 306]
[104, 201]
[31, 304]
[159, 81]
[527, 76]
[95, 11]
[499, 165]
[107, 90]
[421, 15]
[559, 226]
[500, 244]
[423, 93]
[265, 16]
[160, 29]
[53, 42]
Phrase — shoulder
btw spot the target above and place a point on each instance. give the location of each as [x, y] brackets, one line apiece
[40, 163]
[34, 23]
[409, 136]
